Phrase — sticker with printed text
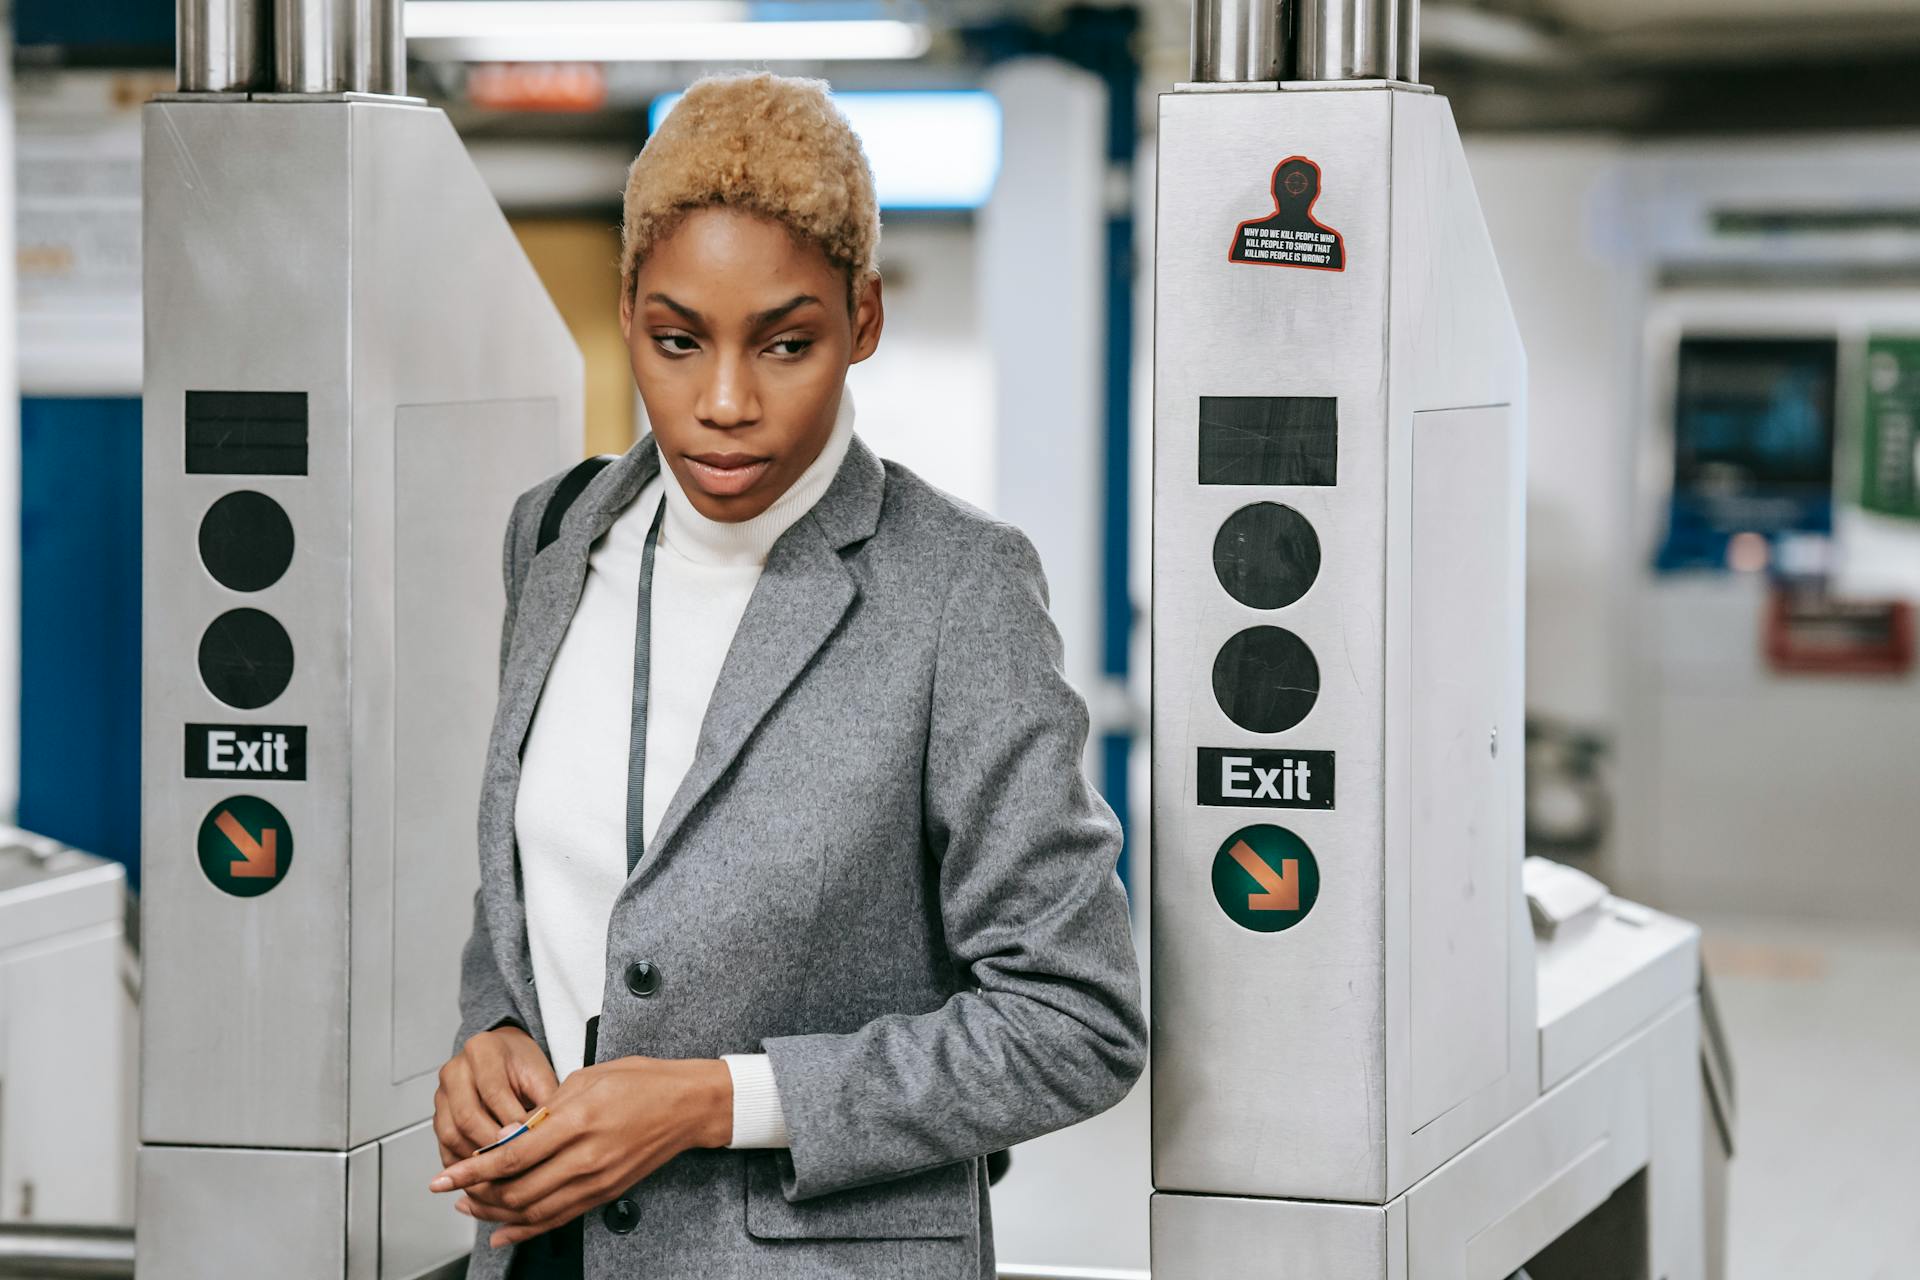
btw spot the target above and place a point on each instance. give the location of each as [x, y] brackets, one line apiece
[1290, 236]
[1252, 778]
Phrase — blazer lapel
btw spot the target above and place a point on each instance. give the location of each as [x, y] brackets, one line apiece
[549, 592]
[804, 591]
[555, 578]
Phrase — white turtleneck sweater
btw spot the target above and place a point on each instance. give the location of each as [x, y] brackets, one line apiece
[570, 817]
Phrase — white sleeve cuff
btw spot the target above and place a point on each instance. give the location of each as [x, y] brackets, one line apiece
[758, 1120]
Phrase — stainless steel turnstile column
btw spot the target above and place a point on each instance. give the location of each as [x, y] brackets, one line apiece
[351, 371]
[1347, 1069]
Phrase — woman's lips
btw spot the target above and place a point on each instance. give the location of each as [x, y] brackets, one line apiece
[726, 475]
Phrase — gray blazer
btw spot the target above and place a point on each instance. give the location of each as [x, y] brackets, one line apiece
[884, 868]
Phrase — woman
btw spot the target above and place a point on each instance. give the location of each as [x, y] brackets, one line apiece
[795, 910]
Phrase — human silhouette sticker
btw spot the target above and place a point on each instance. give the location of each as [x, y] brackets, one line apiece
[1289, 236]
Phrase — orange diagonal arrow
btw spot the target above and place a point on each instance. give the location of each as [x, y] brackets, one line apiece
[257, 859]
[1281, 892]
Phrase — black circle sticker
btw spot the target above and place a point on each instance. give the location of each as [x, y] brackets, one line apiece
[246, 541]
[245, 846]
[1265, 679]
[1266, 555]
[1265, 878]
[246, 658]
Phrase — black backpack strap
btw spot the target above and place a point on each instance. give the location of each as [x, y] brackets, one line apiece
[564, 493]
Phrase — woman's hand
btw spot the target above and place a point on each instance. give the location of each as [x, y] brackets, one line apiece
[495, 1080]
[607, 1127]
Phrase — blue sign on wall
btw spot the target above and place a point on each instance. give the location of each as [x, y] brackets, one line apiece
[1753, 435]
[120, 24]
[80, 624]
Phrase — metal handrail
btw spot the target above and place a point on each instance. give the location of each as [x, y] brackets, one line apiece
[56, 1252]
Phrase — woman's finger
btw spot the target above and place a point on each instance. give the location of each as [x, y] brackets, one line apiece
[509, 1161]
[555, 1210]
[446, 1133]
[500, 1098]
[568, 1173]
[514, 1235]
[473, 1126]
[471, 1117]
[533, 1079]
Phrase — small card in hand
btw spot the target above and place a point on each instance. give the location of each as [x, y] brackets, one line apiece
[529, 1123]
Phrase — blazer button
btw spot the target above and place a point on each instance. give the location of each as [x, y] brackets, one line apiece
[643, 978]
[621, 1216]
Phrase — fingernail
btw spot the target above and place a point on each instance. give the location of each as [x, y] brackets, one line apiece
[464, 1205]
[441, 1183]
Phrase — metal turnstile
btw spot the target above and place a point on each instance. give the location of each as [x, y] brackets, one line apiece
[351, 372]
[1348, 1038]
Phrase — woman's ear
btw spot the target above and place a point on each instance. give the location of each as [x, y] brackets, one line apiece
[626, 310]
[869, 318]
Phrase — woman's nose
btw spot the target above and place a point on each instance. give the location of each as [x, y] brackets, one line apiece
[729, 398]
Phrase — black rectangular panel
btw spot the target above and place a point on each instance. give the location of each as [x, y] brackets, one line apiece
[1754, 415]
[252, 433]
[276, 752]
[1249, 778]
[1269, 440]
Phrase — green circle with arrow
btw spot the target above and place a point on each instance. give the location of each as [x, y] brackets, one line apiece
[246, 846]
[1265, 878]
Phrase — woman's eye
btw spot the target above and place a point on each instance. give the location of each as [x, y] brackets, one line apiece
[790, 346]
[678, 344]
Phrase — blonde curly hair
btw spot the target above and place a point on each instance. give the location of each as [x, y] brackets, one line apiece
[771, 145]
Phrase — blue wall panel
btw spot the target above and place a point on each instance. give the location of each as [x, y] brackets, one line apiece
[94, 23]
[80, 624]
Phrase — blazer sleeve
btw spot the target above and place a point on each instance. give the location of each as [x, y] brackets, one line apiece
[1051, 1030]
[486, 1001]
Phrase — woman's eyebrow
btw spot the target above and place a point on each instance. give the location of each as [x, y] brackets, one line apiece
[761, 319]
[685, 313]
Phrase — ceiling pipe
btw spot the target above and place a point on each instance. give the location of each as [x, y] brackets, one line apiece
[1347, 39]
[387, 52]
[320, 46]
[223, 46]
[1407, 42]
[1237, 41]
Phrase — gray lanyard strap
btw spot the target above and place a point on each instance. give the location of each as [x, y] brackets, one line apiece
[637, 736]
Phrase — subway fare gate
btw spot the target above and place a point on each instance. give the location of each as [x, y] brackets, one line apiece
[351, 372]
[1365, 1066]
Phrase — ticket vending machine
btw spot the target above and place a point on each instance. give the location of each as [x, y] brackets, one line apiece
[351, 371]
[1365, 1066]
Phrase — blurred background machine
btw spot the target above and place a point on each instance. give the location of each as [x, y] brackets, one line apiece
[69, 1008]
[1364, 1063]
[351, 372]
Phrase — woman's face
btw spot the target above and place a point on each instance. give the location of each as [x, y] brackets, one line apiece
[740, 341]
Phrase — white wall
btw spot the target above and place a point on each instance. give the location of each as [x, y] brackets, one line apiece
[1042, 273]
[1552, 209]
[1737, 788]
[925, 398]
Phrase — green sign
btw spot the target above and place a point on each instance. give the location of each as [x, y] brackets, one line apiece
[1890, 438]
[1265, 878]
[246, 846]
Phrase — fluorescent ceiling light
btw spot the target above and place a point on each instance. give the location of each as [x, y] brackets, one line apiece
[930, 149]
[651, 31]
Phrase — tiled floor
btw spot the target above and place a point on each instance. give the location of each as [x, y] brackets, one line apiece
[1825, 1029]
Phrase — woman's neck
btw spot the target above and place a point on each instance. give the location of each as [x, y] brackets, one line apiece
[737, 542]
